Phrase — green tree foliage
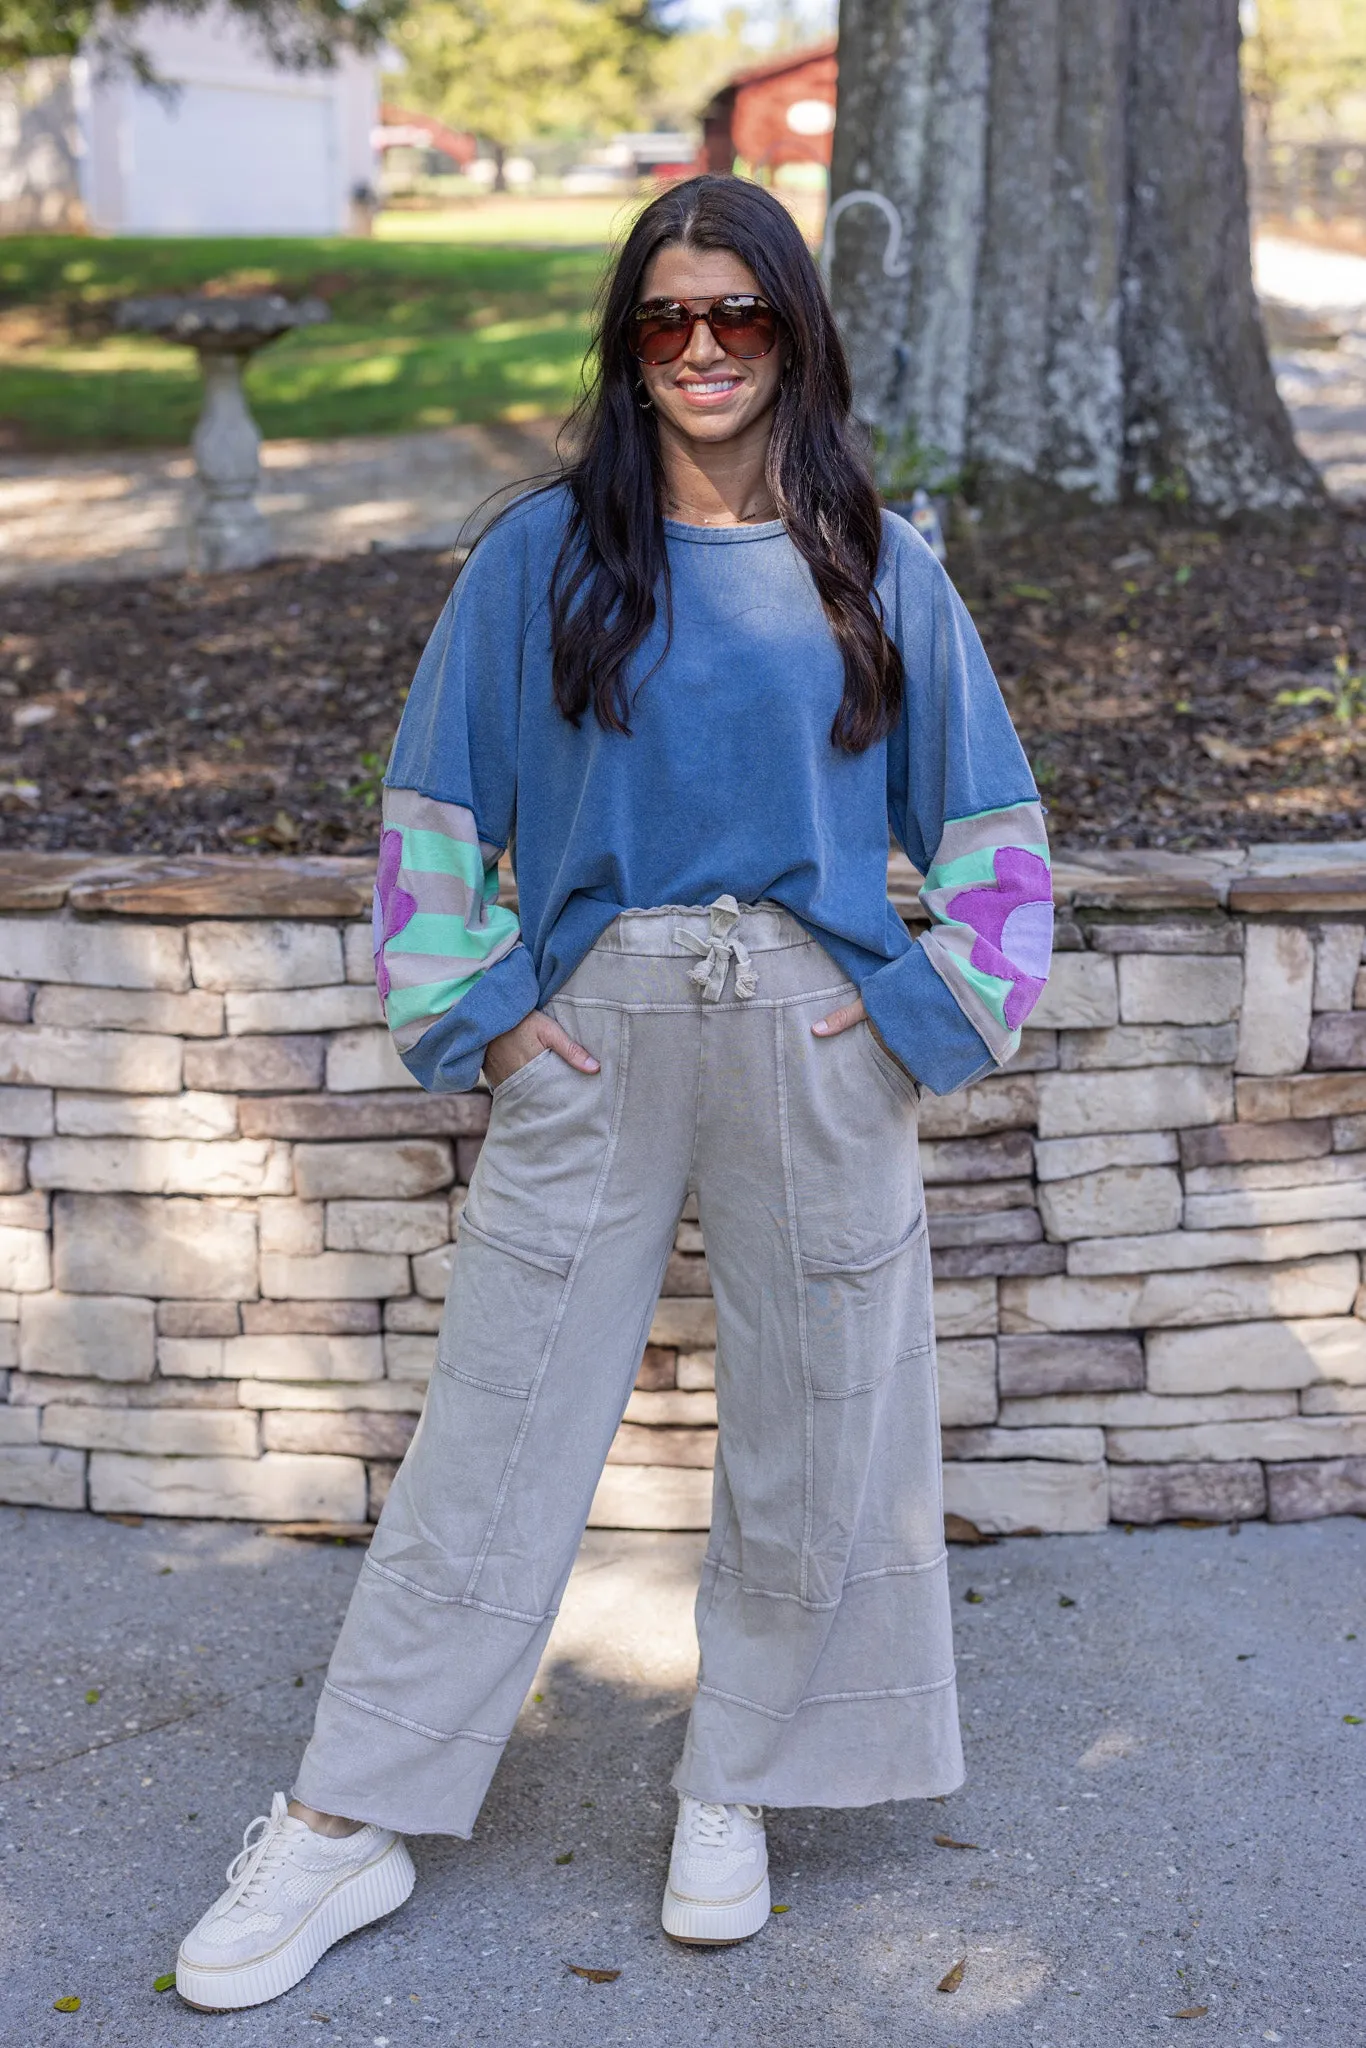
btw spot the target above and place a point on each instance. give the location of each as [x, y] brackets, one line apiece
[1302, 59]
[297, 32]
[516, 71]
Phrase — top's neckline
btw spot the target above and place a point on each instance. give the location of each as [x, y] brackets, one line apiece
[681, 530]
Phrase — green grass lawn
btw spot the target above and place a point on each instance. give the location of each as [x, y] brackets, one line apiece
[425, 331]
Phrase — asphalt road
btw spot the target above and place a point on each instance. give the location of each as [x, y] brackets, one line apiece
[1167, 1803]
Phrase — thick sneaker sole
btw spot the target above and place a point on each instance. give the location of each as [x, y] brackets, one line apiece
[703, 1924]
[367, 1894]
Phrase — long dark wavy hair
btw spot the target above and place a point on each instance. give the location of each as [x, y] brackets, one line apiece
[613, 560]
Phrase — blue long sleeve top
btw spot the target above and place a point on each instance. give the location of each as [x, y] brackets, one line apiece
[727, 784]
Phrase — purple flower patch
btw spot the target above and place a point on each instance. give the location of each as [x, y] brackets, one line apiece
[395, 907]
[1012, 926]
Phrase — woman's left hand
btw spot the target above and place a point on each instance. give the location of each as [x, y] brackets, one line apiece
[841, 1020]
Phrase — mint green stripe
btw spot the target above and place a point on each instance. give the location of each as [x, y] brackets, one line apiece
[432, 999]
[432, 931]
[976, 867]
[435, 853]
[990, 987]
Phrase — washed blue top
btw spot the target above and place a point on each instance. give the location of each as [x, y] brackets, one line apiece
[727, 784]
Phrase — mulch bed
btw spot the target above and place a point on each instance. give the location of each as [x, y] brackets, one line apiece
[1146, 665]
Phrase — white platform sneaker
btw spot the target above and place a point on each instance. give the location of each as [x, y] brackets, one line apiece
[718, 1873]
[291, 1894]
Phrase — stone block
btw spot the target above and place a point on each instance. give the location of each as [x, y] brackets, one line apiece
[467, 1152]
[1288, 1437]
[190, 1358]
[1149, 1045]
[1347, 1133]
[121, 1062]
[651, 1497]
[667, 1406]
[1205, 935]
[189, 1432]
[388, 1397]
[349, 1433]
[410, 1358]
[967, 1381]
[685, 1324]
[1082, 994]
[1300, 1095]
[432, 1272]
[311, 1318]
[1318, 1287]
[302, 1356]
[1143, 1411]
[16, 1002]
[981, 1261]
[255, 1066]
[9, 1347]
[358, 946]
[87, 1336]
[382, 1169]
[1273, 1035]
[1232, 1144]
[26, 1112]
[39, 1477]
[12, 1158]
[1119, 1201]
[195, 1117]
[996, 1226]
[109, 955]
[976, 1198]
[304, 1009]
[1161, 1099]
[1003, 1102]
[1304, 1492]
[1176, 1251]
[40, 1390]
[265, 954]
[415, 1316]
[1337, 961]
[1107, 1362]
[1333, 1400]
[293, 1227]
[198, 1319]
[334, 1276]
[412, 1226]
[658, 1370]
[696, 1371]
[25, 1261]
[1025, 1493]
[279, 1487]
[685, 1275]
[17, 1426]
[1179, 989]
[633, 1445]
[9, 1306]
[1257, 1355]
[1063, 1445]
[1339, 1169]
[380, 1474]
[965, 1308]
[1234, 1492]
[1238, 1208]
[363, 1060]
[193, 1014]
[1006, 1156]
[1070, 1158]
[158, 1246]
[1337, 1039]
[408, 1115]
[1037, 1051]
[161, 1166]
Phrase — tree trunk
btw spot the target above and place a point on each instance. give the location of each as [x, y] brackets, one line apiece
[1076, 323]
[500, 183]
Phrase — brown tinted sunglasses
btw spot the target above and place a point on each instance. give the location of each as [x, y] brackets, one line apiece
[744, 326]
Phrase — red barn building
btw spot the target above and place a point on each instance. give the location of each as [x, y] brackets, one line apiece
[781, 112]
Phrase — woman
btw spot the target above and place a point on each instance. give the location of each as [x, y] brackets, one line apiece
[696, 679]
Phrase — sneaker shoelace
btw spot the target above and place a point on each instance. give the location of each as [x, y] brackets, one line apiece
[710, 1823]
[264, 1847]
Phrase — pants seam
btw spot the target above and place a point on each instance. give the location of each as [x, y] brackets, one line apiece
[799, 1284]
[458, 1599]
[827, 1699]
[352, 1699]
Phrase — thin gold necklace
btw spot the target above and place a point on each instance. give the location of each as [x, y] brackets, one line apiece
[696, 519]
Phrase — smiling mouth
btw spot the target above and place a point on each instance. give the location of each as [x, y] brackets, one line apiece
[708, 390]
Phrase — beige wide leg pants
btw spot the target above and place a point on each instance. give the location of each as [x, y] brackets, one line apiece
[826, 1674]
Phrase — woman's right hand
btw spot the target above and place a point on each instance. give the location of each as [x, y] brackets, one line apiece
[535, 1034]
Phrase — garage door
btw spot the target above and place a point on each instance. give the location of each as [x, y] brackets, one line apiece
[229, 161]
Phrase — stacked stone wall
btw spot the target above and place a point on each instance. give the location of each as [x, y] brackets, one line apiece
[227, 1215]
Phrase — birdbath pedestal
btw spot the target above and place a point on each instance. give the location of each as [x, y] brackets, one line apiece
[228, 529]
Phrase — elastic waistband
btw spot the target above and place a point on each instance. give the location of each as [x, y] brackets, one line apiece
[762, 928]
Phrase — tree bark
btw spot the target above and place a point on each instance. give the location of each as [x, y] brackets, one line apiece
[1076, 322]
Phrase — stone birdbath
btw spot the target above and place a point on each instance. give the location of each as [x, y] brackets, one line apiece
[228, 529]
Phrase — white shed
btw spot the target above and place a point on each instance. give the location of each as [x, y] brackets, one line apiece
[240, 145]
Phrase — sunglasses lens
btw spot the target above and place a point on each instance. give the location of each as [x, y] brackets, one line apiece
[660, 337]
[745, 328]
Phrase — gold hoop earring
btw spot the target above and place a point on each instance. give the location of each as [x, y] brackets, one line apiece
[645, 404]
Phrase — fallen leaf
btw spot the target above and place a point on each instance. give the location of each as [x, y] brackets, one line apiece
[92, 1697]
[782, 1909]
[958, 1529]
[567, 1857]
[1352, 1720]
[947, 1842]
[165, 1982]
[973, 1597]
[66, 2005]
[1189, 2012]
[1065, 1600]
[951, 1979]
[1194, 1522]
[126, 1521]
[593, 1976]
[1227, 753]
